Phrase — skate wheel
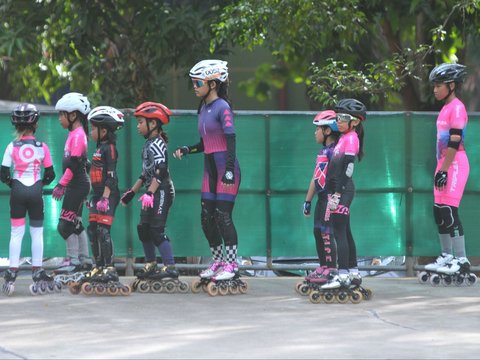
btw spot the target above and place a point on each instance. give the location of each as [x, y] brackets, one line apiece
[51, 287]
[304, 290]
[328, 297]
[342, 297]
[423, 277]
[223, 290]
[243, 287]
[112, 290]
[356, 297]
[134, 285]
[367, 294]
[234, 289]
[435, 280]
[74, 288]
[33, 289]
[125, 290]
[196, 286]
[143, 287]
[58, 286]
[183, 287]
[298, 286]
[315, 297]
[170, 288]
[157, 287]
[471, 279]
[42, 288]
[8, 289]
[87, 288]
[446, 281]
[100, 289]
[212, 289]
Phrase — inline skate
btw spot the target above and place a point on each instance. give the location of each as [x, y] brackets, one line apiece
[431, 269]
[220, 278]
[315, 280]
[70, 273]
[9, 286]
[342, 288]
[156, 280]
[44, 283]
[456, 272]
[104, 281]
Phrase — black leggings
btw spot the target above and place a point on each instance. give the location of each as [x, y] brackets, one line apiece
[217, 222]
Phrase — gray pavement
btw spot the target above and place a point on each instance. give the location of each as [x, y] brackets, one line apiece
[403, 320]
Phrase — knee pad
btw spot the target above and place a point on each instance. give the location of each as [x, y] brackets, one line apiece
[65, 228]
[143, 231]
[92, 233]
[105, 241]
[78, 226]
[445, 216]
[223, 219]
[157, 234]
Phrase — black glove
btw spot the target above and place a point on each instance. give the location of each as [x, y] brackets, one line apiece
[441, 178]
[307, 207]
[127, 196]
[228, 178]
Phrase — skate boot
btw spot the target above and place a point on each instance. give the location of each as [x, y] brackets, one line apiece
[43, 283]
[71, 272]
[356, 284]
[431, 269]
[164, 279]
[227, 281]
[105, 282]
[76, 286]
[315, 280]
[457, 272]
[9, 286]
[340, 289]
[206, 276]
[148, 269]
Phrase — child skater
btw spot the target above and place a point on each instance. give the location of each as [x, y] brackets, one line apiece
[156, 201]
[221, 177]
[27, 155]
[326, 133]
[451, 173]
[74, 185]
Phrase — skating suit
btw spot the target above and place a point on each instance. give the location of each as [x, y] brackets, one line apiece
[155, 166]
[321, 215]
[27, 155]
[215, 120]
[452, 116]
[103, 172]
[348, 144]
[75, 176]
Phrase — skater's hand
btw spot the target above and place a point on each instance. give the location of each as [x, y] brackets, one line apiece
[103, 205]
[147, 200]
[228, 178]
[307, 207]
[333, 201]
[180, 152]
[58, 192]
[441, 178]
[127, 197]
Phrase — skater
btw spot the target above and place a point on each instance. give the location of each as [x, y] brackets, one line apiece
[451, 172]
[105, 121]
[26, 155]
[350, 113]
[156, 202]
[74, 185]
[221, 177]
[327, 134]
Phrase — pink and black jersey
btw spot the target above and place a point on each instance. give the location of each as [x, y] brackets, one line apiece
[215, 120]
[27, 155]
[75, 158]
[348, 144]
[452, 116]
[321, 167]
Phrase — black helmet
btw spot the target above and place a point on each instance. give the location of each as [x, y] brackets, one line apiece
[352, 107]
[25, 114]
[448, 73]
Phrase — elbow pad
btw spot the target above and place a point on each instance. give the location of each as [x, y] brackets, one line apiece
[455, 144]
[161, 173]
[48, 175]
[346, 174]
[5, 176]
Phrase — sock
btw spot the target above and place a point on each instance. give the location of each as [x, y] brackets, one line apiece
[36, 234]
[446, 243]
[231, 253]
[217, 252]
[16, 237]
[166, 252]
[83, 244]
[458, 243]
[72, 247]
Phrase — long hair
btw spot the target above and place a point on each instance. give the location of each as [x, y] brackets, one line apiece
[21, 129]
[83, 121]
[360, 132]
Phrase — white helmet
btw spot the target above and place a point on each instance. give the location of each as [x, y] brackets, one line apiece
[106, 116]
[210, 70]
[73, 101]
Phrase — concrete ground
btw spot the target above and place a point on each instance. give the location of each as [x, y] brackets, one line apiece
[403, 320]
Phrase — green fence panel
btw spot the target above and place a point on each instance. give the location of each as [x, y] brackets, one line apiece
[391, 213]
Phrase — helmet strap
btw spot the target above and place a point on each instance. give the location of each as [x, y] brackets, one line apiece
[70, 123]
[450, 90]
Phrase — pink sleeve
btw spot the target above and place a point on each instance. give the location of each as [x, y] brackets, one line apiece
[47, 160]
[77, 146]
[458, 118]
[66, 178]
[352, 145]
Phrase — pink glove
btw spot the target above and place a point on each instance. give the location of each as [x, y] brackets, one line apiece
[147, 200]
[103, 205]
[58, 192]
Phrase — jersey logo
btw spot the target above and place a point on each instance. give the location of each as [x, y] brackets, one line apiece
[320, 174]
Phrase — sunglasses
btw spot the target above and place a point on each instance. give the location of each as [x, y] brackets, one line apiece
[198, 83]
[345, 117]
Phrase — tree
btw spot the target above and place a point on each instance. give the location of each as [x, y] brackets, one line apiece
[375, 50]
[117, 51]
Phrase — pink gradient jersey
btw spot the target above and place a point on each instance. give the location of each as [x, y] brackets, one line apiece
[75, 146]
[452, 116]
[214, 121]
[348, 144]
[27, 155]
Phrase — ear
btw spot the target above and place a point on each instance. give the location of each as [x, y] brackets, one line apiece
[355, 122]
